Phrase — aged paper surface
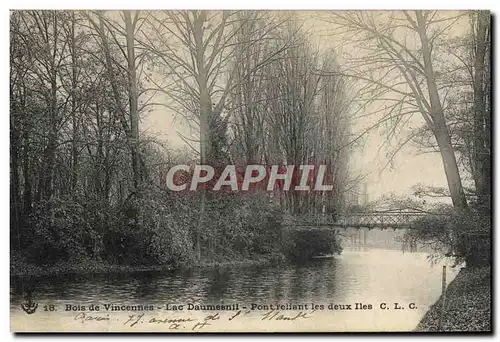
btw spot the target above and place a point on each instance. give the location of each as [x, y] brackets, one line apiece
[250, 171]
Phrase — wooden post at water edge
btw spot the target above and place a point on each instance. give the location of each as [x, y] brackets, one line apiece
[443, 299]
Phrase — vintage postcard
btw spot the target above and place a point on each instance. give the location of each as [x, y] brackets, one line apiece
[250, 171]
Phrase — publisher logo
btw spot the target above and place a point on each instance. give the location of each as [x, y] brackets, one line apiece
[29, 307]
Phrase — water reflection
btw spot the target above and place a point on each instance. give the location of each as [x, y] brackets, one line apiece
[371, 276]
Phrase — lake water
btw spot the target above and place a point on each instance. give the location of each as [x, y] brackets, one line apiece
[370, 277]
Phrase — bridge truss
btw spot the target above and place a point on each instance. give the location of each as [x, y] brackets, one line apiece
[395, 219]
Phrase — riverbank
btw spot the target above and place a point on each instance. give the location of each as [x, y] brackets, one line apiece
[299, 246]
[20, 268]
[468, 304]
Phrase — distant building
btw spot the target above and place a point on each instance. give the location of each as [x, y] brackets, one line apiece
[365, 194]
[357, 195]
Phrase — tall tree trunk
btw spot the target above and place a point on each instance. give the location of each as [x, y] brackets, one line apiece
[74, 85]
[134, 115]
[111, 73]
[205, 118]
[49, 155]
[440, 129]
[47, 172]
[14, 180]
[480, 154]
[27, 189]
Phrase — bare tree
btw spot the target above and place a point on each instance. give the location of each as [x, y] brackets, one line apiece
[201, 53]
[397, 66]
[130, 27]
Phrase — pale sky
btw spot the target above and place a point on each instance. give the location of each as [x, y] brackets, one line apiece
[409, 167]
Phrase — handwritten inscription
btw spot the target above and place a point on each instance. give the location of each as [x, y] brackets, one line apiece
[84, 317]
[278, 316]
[190, 323]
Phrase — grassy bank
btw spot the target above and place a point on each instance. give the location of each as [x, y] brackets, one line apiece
[297, 246]
[468, 304]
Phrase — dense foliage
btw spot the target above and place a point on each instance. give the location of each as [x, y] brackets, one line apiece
[464, 235]
[308, 244]
[88, 184]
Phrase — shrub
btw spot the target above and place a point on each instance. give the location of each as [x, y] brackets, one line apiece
[309, 243]
[461, 234]
[61, 233]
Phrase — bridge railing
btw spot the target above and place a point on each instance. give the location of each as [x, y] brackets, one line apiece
[398, 219]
